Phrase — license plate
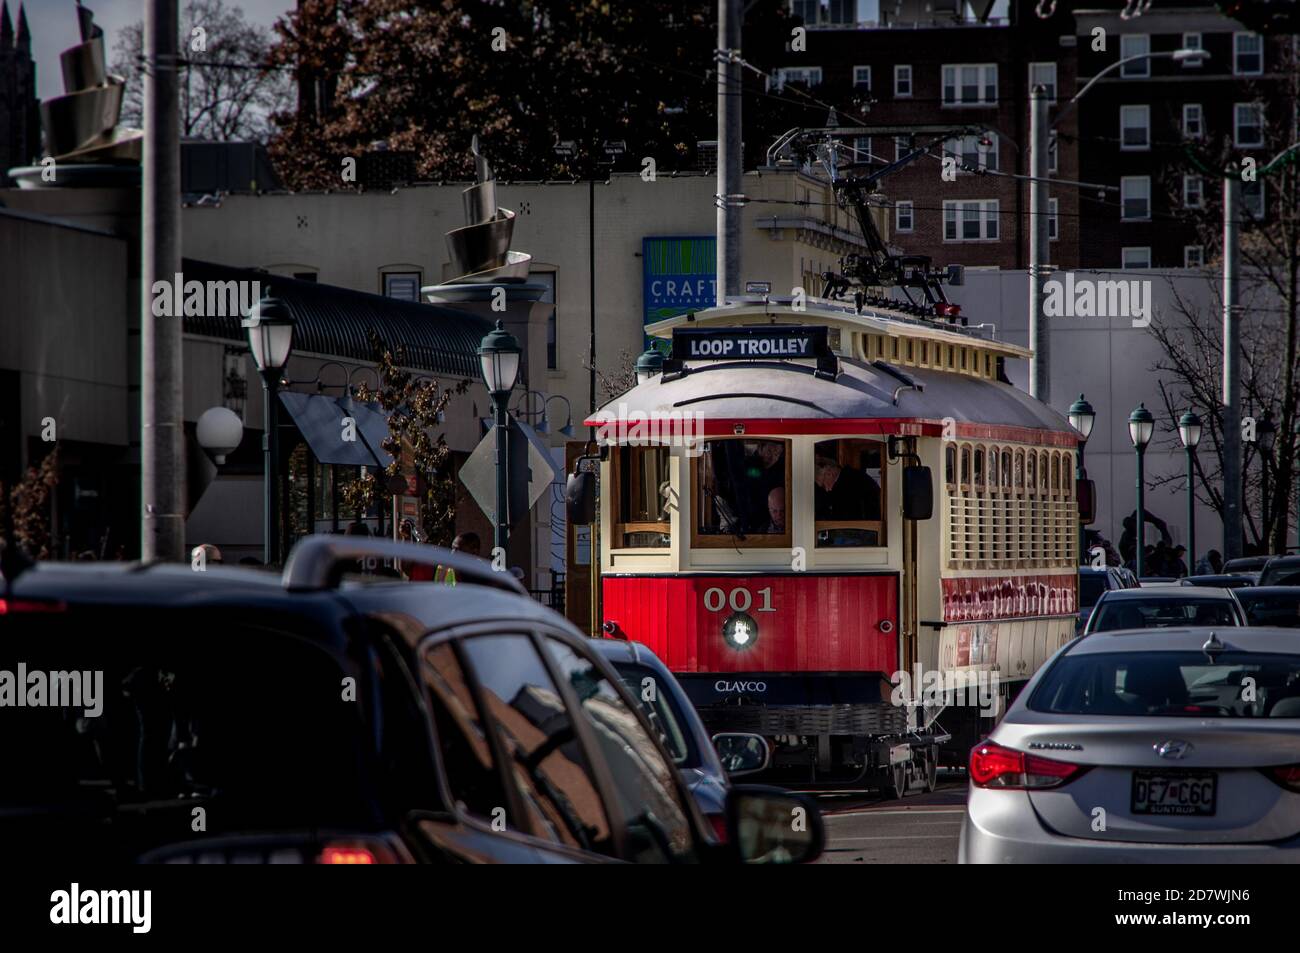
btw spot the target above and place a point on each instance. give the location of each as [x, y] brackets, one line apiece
[1180, 793]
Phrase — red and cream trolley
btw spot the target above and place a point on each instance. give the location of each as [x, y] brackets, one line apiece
[834, 527]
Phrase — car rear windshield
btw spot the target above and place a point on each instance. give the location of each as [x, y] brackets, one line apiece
[1234, 685]
[1271, 608]
[1288, 575]
[1162, 613]
[131, 721]
[1091, 586]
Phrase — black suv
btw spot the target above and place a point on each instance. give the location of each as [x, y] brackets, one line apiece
[159, 714]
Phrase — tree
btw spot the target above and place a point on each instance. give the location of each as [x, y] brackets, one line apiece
[229, 92]
[25, 514]
[424, 76]
[1269, 256]
[415, 406]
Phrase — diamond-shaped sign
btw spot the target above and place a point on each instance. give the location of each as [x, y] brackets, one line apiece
[531, 472]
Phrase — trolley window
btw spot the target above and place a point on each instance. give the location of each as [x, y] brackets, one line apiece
[641, 518]
[848, 498]
[739, 492]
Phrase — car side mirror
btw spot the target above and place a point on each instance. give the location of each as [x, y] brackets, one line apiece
[1085, 491]
[580, 498]
[767, 825]
[742, 753]
[918, 493]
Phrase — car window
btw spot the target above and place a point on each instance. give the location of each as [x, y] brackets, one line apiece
[1115, 614]
[472, 777]
[170, 713]
[644, 782]
[660, 707]
[546, 760]
[1091, 586]
[1165, 684]
[1271, 608]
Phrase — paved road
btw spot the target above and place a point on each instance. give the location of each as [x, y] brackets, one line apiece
[919, 829]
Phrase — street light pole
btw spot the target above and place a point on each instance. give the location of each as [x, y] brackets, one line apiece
[270, 337]
[1189, 430]
[1141, 425]
[1040, 359]
[1231, 378]
[729, 158]
[1082, 417]
[499, 356]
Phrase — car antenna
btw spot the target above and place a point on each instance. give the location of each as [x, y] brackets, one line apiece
[1212, 646]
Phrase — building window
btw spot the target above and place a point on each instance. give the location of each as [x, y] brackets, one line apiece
[970, 84]
[1135, 44]
[1053, 226]
[975, 152]
[970, 221]
[809, 76]
[862, 78]
[1192, 41]
[402, 285]
[902, 146]
[1193, 191]
[1052, 153]
[1043, 74]
[903, 81]
[1193, 256]
[1136, 258]
[1247, 54]
[1248, 124]
[1135, 128]
[1135, 196]
[1252, 199]
[552, 323]
[903, 217]
[1193, 121]
[862, 149]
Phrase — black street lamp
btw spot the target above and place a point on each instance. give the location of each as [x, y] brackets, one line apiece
[270, 337]
[1141, 425]
[1266, 434]
[499, 355]
[1189, 431]
[1082, 417]
[649, 365]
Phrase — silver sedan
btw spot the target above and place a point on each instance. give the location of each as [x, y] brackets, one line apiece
[1167, 746]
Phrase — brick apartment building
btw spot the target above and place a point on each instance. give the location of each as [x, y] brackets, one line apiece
[919, 68]
[1135, 123]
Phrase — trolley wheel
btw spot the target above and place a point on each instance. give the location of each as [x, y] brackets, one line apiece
[896, 781]
[931, 769]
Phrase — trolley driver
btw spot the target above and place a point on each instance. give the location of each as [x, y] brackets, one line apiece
[844, 494]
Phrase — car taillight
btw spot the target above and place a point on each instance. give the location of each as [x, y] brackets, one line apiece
[1288, 776]
[15, 606]
[347, 855]
[993, 766]
[719, 822]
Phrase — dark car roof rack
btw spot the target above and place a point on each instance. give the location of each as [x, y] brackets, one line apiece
[319, 562]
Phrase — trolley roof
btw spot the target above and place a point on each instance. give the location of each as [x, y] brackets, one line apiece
[729, 397]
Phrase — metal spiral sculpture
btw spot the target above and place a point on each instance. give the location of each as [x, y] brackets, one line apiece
[480, 250]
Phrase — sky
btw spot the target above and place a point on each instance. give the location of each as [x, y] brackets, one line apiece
[54, 28]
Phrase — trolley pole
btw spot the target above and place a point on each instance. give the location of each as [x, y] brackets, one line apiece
[1231, 377]
[729, 158]
[1040, 360]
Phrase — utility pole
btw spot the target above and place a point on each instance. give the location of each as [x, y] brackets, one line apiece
[1040, 362]
[729, 158]
[1231, 376]
[162, 463]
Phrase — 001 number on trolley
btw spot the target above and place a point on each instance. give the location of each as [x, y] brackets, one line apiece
[739, 600]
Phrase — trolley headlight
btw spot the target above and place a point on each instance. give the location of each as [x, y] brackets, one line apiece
[740, 630]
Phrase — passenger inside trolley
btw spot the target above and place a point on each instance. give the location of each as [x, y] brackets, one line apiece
[743, 486]
[847, 497]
